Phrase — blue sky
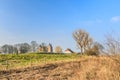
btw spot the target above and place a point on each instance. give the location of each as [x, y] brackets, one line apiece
[53, 21]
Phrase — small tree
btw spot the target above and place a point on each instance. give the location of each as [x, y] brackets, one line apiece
[17, 48]
[98, 46]
[58, 49]
[112, 45]
[7, 48]
[83, 40]
[25, 47]
[34, 46]
[96, 49]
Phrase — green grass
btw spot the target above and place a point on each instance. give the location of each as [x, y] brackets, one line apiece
[13, 61]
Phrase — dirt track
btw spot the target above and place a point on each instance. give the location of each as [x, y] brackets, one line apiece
[87, 69]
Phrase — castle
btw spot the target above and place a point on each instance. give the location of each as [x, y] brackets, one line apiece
[44, 48]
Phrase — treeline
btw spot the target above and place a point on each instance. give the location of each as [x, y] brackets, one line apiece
[21, 47]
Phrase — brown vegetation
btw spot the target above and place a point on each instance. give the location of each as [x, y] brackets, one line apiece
[87, 68]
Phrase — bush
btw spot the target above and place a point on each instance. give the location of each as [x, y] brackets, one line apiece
[91, 52]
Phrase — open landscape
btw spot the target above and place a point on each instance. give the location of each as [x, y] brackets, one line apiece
[59, 39]
[35, 66]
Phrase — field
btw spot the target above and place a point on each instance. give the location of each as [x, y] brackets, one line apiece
[35, 66]
[13, 61]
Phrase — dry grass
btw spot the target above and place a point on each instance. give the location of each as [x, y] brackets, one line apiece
[84, 68]
[98, 68]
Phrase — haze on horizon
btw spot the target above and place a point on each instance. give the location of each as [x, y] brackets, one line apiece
[53, 21]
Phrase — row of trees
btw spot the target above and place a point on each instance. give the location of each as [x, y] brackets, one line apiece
[25, 47]
[20, 48]
[88, 46]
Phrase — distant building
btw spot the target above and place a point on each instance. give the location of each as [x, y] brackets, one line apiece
[68, 51]
[49, 48]
[44, 48]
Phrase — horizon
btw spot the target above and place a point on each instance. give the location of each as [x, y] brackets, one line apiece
[53, 21]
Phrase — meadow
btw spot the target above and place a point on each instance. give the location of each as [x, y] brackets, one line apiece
[14, 61]
[36, 66]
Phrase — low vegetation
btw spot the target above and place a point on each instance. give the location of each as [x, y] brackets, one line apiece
[68, 67]
[13, 61]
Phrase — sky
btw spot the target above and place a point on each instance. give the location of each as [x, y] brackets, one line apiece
[54, 21]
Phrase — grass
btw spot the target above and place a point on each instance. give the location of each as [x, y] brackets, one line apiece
[13, 61]
[72, 67]
[99, 68]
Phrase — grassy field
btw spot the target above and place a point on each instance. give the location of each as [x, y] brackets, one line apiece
[13, 61]
[35, 66]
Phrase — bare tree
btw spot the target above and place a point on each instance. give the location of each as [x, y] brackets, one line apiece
[83, 40]
[112, 45]
[98, 47]
[58, 49]
[34, 46]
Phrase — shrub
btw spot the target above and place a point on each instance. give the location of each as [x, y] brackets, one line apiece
[91, 52]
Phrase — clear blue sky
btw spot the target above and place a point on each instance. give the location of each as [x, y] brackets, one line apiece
[53, 21]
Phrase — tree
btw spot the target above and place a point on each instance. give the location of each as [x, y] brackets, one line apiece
[7, 48]
[25, 47]
[17, 48]
[112, 45]
[34, 46]
[98, 47]
[58, 49]
[95, 49]
[83, 40]
[10, 49]
[0, 49]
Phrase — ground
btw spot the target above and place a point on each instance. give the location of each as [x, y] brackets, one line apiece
[85, 68]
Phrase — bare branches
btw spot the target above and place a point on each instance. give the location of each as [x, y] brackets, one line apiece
[112, 45]
[82, 39]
